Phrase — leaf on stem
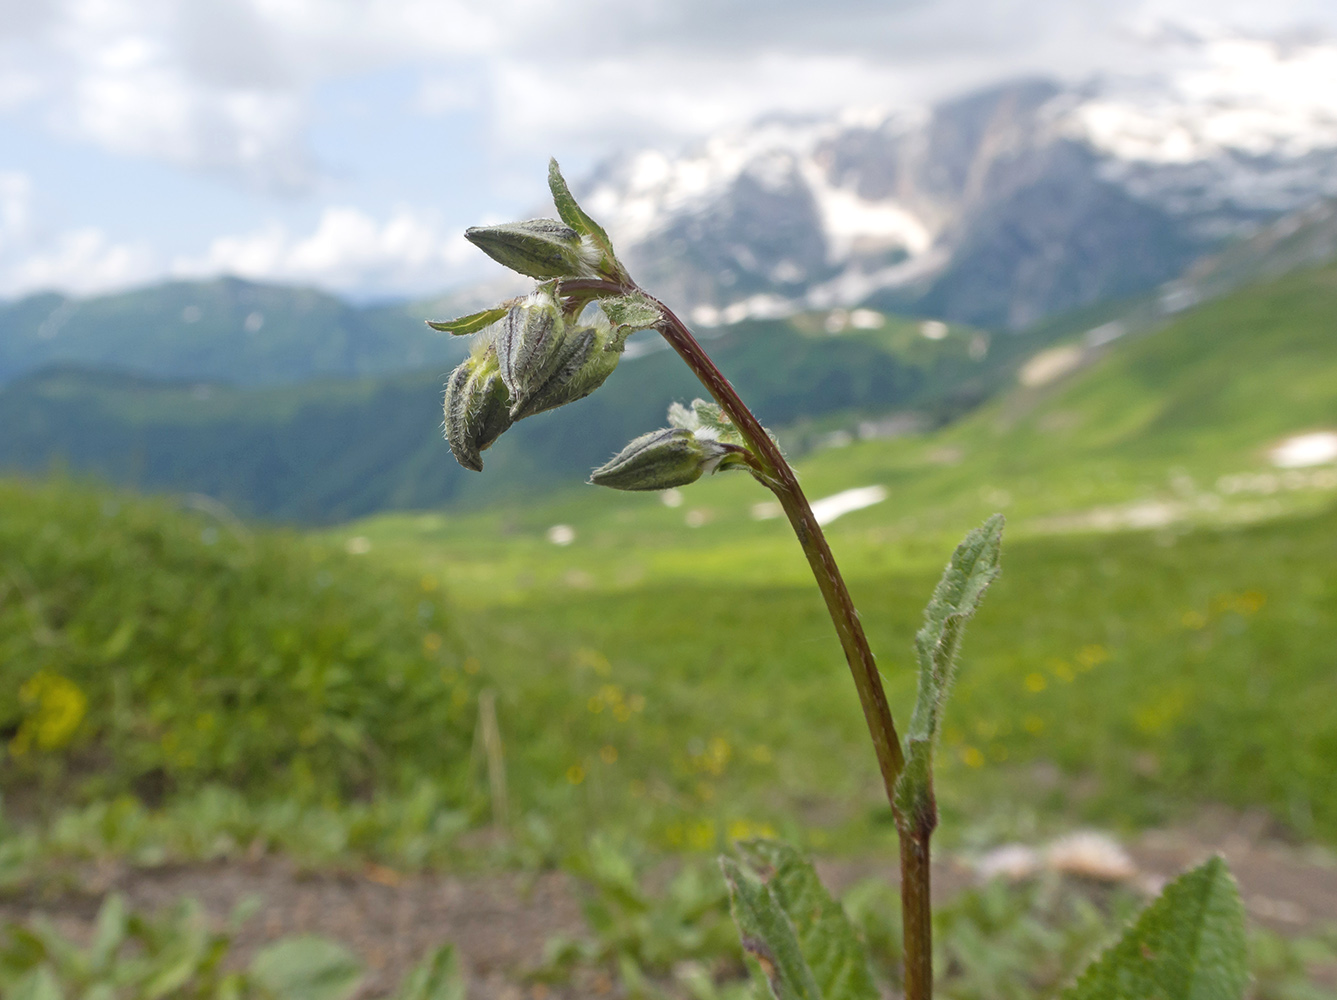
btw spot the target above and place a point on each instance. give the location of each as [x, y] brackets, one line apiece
[634, 311]
[574, 216]
[973, 566]
[1188, 945]
[472, 323]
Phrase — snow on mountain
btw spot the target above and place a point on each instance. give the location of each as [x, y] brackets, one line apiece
[997, 208]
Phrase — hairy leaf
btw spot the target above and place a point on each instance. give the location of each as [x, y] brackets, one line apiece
[973, 566]
[634, 311]
[471, 323]
[1188, 945]
[574, 216]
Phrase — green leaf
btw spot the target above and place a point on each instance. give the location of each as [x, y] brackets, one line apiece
[437, 977]
[38, 984]
[768, 936]
[574, 216]
[973, 566]
[307, 968]
[1188, 945]
[471, 323]
[109, 932]
[633, 311]
[826, 937]
[798, 936]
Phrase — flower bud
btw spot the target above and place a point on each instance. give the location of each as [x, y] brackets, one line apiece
[585, 357]
[661, 460]
[540, 248]
[477, 407]
[529, 341]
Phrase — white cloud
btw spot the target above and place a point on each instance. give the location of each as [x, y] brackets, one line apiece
[348, 250]
[225, 85]
[82, 261]
[15, 206]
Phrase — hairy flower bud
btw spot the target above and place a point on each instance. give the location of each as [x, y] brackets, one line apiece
[529, 343]
[584, 357]
[540, 248]
[661, 460]
[477, 407]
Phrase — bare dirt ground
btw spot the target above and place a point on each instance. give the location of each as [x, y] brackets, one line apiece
[500, 922]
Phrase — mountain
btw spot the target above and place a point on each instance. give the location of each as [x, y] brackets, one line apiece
[998, 208]
[333, 449]
[225, 330]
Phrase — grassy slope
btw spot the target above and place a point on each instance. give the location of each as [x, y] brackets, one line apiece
[1119, 658]
[1155, 420]
[150, 649]
[684, 682]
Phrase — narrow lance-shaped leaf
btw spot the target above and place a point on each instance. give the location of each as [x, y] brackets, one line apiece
[1188, 945]
[826, 938]
[973, 566]
[472, 323]
[574, 216]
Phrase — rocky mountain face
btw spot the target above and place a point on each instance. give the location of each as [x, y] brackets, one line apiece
[998, 208]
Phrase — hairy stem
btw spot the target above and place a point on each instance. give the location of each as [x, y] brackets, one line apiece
[782, 481]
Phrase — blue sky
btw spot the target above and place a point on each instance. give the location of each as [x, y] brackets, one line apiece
[347, 144]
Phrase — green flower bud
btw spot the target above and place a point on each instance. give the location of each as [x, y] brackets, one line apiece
[659, 460]
[586, 356]
[529, 344]
[477, 406]
[540, 248]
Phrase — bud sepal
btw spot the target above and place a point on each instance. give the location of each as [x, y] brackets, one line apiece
[472, 323]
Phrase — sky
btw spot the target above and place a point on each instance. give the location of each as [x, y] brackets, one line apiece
[348, 144]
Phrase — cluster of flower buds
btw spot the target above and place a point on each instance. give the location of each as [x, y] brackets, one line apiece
[561, 342]
[529, 360]
[698, 441]
[546, 349]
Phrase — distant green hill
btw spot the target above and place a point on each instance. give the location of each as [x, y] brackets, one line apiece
[225, 330]
[337, 449]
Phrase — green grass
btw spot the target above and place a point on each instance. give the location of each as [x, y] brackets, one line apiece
[1113, 676]
[153, 650]
[683, 683]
